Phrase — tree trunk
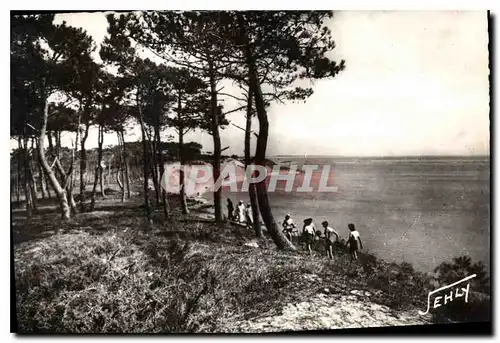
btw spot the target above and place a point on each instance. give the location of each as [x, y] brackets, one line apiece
[32, 166]
[108, 178]
[51, 153]
[182, 179]
[47, 186]
[71, 172]
[71, 197]
[32, 187]
[101, 181]
[101, 168]
[260, 154]
[26, 188]
[98, 168]
[147, 209]
[159, 152]
[60, 192]
[153, 165]
[125, 164]
[31, 176]
[217, 143]
[252, 193]
[83, 166]
[43, 185]
[18, 195]
[121, 169]
[44, 180]
[66, 181]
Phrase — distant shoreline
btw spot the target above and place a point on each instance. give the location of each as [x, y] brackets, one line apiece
[385, 157]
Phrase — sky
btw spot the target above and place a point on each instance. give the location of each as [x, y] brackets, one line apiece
[415, 83]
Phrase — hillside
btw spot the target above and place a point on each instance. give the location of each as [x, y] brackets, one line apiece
[107, 271]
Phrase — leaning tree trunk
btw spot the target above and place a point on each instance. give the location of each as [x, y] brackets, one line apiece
[98, 168]
[252, 193]
[260, 154]
[217, 143]
[83, 166]
[60, 192]
[66, 181]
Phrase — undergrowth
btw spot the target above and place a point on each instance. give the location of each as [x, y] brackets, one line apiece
[193, 276]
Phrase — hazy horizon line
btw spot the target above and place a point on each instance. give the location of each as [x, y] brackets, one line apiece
[378, 156]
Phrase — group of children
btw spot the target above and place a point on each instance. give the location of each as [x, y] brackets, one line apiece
[309, 233]
[243, 214]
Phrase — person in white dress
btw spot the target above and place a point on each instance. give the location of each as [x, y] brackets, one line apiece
[240, 210]
[249, 215]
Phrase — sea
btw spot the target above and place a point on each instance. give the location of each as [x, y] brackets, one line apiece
[421, 210]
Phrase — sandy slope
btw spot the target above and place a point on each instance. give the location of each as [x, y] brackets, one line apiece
[324, 312]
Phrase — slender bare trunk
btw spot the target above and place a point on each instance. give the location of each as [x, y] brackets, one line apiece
[217, 143]
[182, 162]
[43, 176]
[153, 164]
[101, 181]
[60, 192]
[32, 166]
[18, 193]
[164, 200]
[83, 166]
[260, 154]
[98, 168]
[43, 185]
[125, 164]
[71, 183]
[32, 187]
[146, 157]
[31, 177]
[26, 188]
[121, 170]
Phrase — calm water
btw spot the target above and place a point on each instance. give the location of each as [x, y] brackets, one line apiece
[419, 210]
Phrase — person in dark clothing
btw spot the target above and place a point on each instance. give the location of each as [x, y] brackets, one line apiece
[230, 209]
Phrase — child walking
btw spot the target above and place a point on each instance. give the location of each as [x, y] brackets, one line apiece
[329, 233]
[308, 233]
[352, 241]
